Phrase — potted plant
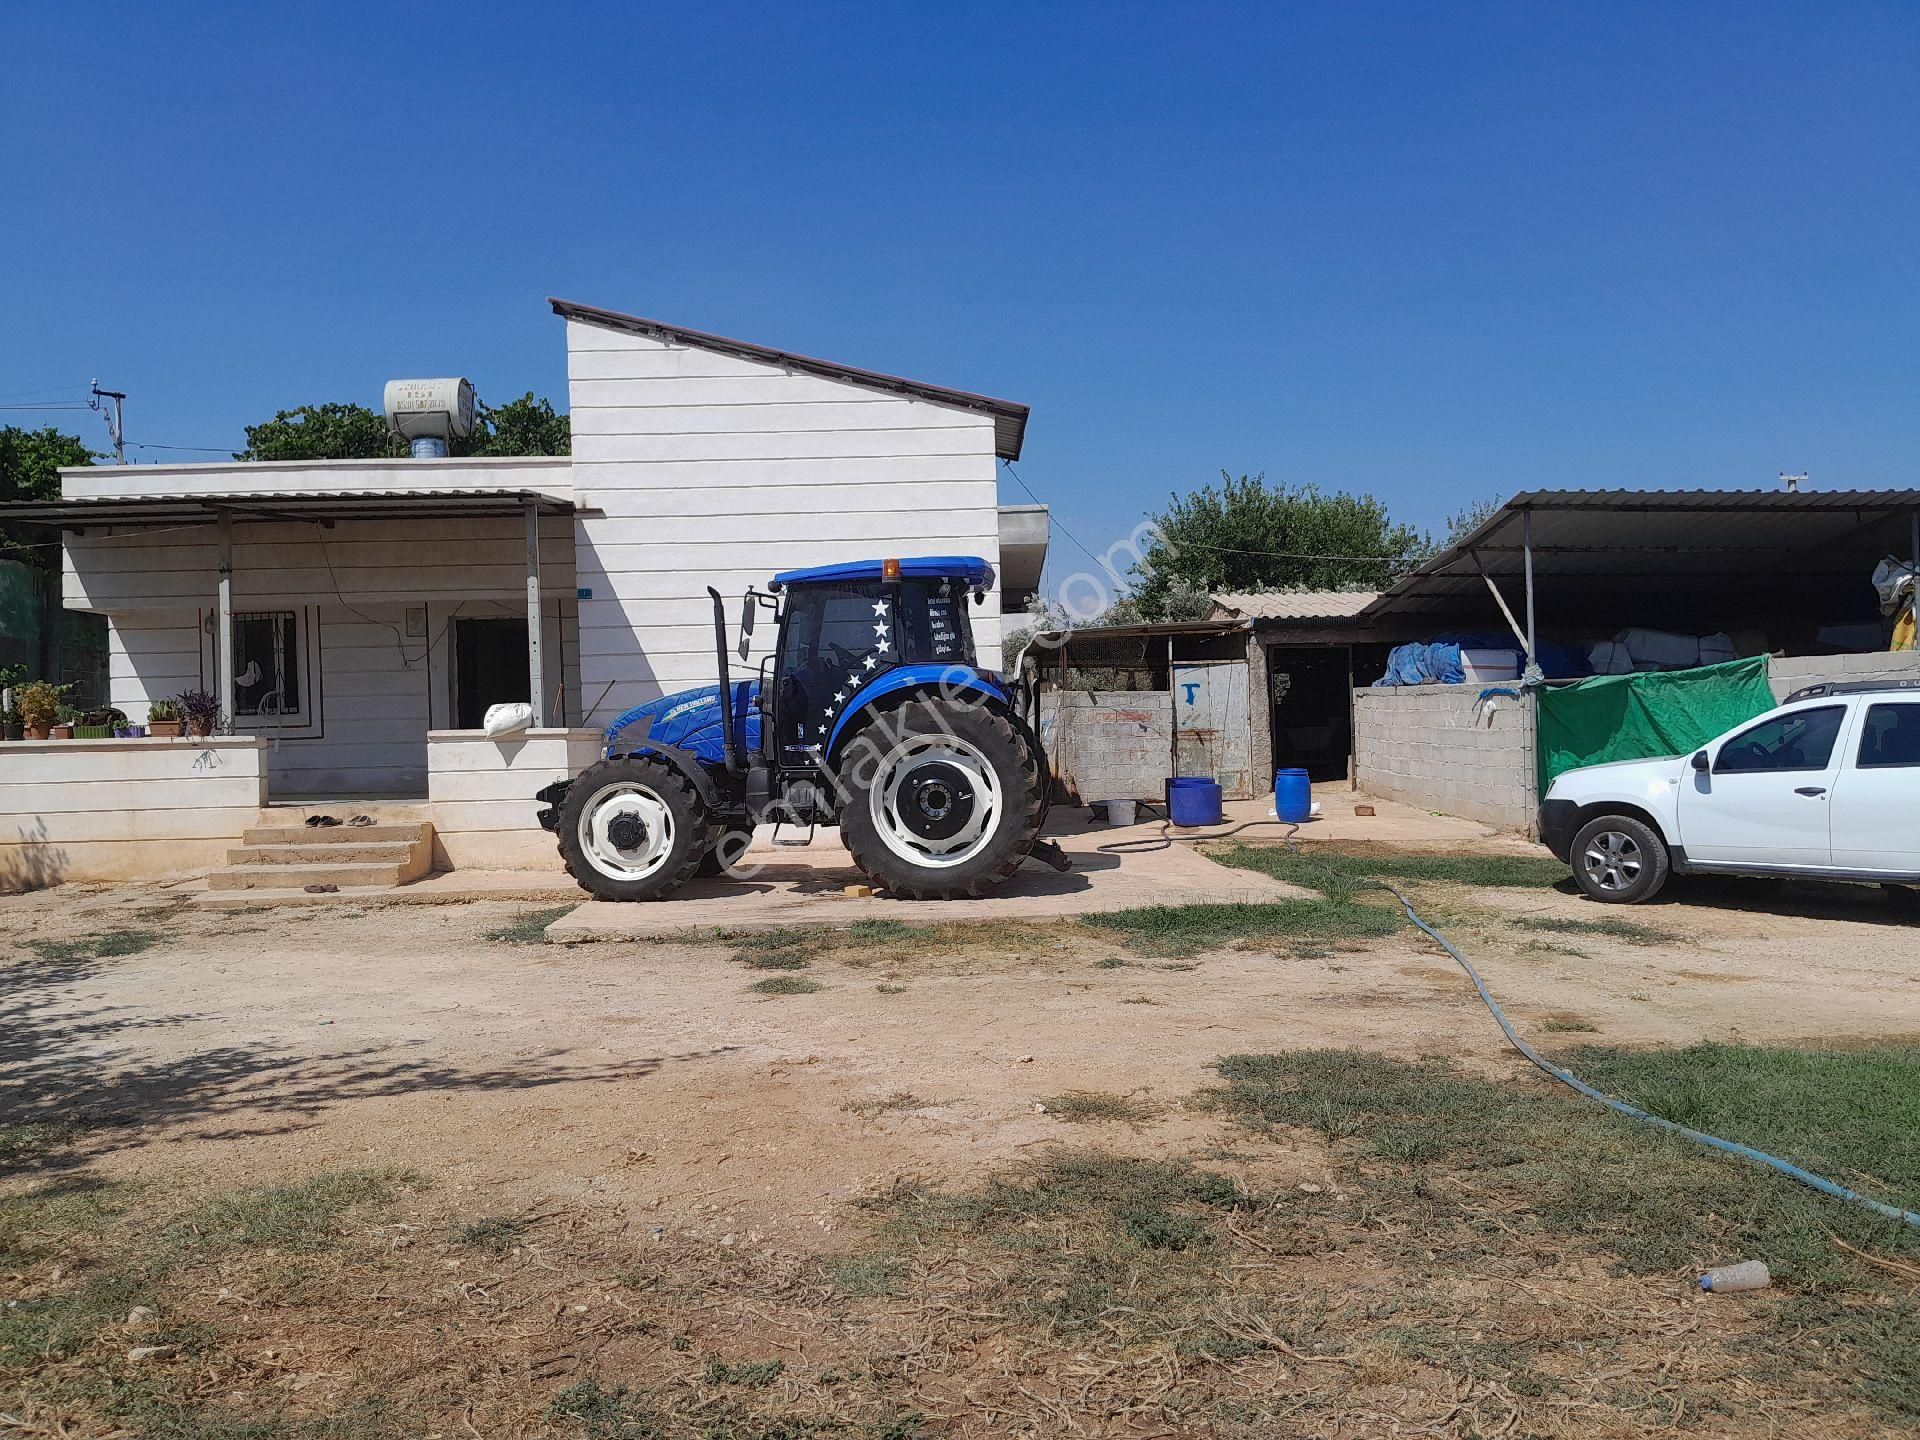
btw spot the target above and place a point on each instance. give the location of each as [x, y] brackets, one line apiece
[200, 710]
[10, 676]
[163, 719]
[39, 702]
[99, 724]
[63, 722]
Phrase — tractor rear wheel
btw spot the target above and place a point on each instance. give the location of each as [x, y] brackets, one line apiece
[632, 828]
[941, 801]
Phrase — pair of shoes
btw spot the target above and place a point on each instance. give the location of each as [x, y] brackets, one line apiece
[320, 822]
[361, 820]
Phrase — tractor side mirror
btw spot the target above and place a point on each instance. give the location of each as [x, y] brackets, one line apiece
[747, 607]
[1701, 762]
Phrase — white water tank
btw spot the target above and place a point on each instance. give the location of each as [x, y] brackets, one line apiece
[429, 409]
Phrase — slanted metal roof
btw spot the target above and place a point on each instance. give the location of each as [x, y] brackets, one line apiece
[1297, 604]
[1009, 418]
[322, 506]
[1606, 544]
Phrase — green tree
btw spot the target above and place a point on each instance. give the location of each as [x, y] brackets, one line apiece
[526, 426]
[30, 462]
[1465, 522]
[319, 432]
[520, 427]
[1247, 535]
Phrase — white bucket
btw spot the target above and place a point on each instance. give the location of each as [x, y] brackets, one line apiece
[1120, 812]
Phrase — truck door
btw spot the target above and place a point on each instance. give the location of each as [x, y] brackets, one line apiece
[1765, 801]
[1876, 798]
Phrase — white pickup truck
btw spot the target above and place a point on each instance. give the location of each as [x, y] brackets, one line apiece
[1826, 787]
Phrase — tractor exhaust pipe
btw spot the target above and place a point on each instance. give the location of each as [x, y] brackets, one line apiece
[727, 741]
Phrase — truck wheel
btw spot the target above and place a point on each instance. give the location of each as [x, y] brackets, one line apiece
[632, 828]
[1619, 860]
[940, 801]
[725, 854]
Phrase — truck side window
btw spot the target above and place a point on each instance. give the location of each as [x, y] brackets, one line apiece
[1800, 741]
[1890, 737]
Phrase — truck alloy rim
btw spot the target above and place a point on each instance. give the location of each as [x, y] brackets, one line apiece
[626, 831]
[935, 801]
[1612, 860]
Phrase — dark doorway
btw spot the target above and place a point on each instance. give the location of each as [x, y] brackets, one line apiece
[489, 668]
[1311, 710]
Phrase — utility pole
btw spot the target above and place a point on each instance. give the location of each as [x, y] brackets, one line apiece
[118, 397]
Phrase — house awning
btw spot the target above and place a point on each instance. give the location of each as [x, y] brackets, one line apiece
[322, 507]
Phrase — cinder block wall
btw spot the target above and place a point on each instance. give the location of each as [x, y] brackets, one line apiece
[1789, 675]
[1420, 745]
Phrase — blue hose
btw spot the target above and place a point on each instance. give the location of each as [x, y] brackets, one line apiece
[1568, 1078]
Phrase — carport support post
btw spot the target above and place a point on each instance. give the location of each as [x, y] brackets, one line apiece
[1526, 545]
[536, 678]
[223, 619]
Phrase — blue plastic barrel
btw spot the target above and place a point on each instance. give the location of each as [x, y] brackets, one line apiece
[1192, 801]
[1292, 795]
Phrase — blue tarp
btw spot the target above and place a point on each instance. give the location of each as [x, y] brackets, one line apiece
[1437, 661]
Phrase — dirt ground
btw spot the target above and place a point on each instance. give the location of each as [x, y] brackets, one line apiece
[680, 1156]
[646, 1075]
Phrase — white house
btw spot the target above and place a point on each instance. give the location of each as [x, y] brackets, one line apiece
[377, 607]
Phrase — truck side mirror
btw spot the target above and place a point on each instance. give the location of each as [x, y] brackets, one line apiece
[747, 607]
[1701, 762]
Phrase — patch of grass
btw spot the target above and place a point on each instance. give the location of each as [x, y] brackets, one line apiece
[109, 944]
[1658, 1202]
[616, 1414]
[23, 1144]
[1113, 962]
[1342, 871]
[867, 932]
[300, 1217]
[751, 1373]
[495, 1234]
[788, 948]
[866, 1275]
[1629, 930]
[1568, 1025]
[529, 927]
[886, 989]
[881, 1105]
[785, 985]
[1081, 1107]
[1179, 930]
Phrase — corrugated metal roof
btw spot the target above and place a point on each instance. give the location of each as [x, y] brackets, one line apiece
[1603, 540]
[283, 505]
[1297, 604]
[1009, 418]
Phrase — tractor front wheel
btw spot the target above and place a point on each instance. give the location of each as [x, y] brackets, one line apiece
[941, 801]
[632, 828]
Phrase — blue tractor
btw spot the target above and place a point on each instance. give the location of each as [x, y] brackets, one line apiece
[874, 717]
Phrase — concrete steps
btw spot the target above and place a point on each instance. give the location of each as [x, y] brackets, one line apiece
[273, 861]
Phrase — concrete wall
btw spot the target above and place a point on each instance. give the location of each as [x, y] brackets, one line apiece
[480, 794]
[123, 809]
[1420, 745]
[707, 469]
[1110, 744]
[1789, 675]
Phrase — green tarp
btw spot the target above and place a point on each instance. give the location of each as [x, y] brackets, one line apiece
[1640, 717]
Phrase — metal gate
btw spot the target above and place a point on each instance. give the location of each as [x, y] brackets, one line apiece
[1211, 732]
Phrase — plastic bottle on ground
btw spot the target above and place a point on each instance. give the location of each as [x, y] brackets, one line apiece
[1747, 1275]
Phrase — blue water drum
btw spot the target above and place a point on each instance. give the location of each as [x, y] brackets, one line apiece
[1292, 795]
[1193, 801]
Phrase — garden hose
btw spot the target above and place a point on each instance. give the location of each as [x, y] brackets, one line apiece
[1564, 1076]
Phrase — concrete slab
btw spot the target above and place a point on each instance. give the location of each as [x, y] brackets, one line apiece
[803, 886]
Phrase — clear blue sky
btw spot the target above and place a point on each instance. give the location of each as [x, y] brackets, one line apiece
[1436, 252]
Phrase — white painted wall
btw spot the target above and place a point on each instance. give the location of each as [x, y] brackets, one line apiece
[712, 470]
[123, 809]
[482, 792]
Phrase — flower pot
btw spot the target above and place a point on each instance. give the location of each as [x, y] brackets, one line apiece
[63, 732]
[198, 728]
[10, 730]
[38, 732]
[163, 729]
[92, 732]
[136, 732]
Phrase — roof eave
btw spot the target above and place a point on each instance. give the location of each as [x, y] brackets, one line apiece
[1009, 417]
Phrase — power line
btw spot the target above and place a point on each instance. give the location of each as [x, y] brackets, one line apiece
[1053, 520]
[198, 449]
